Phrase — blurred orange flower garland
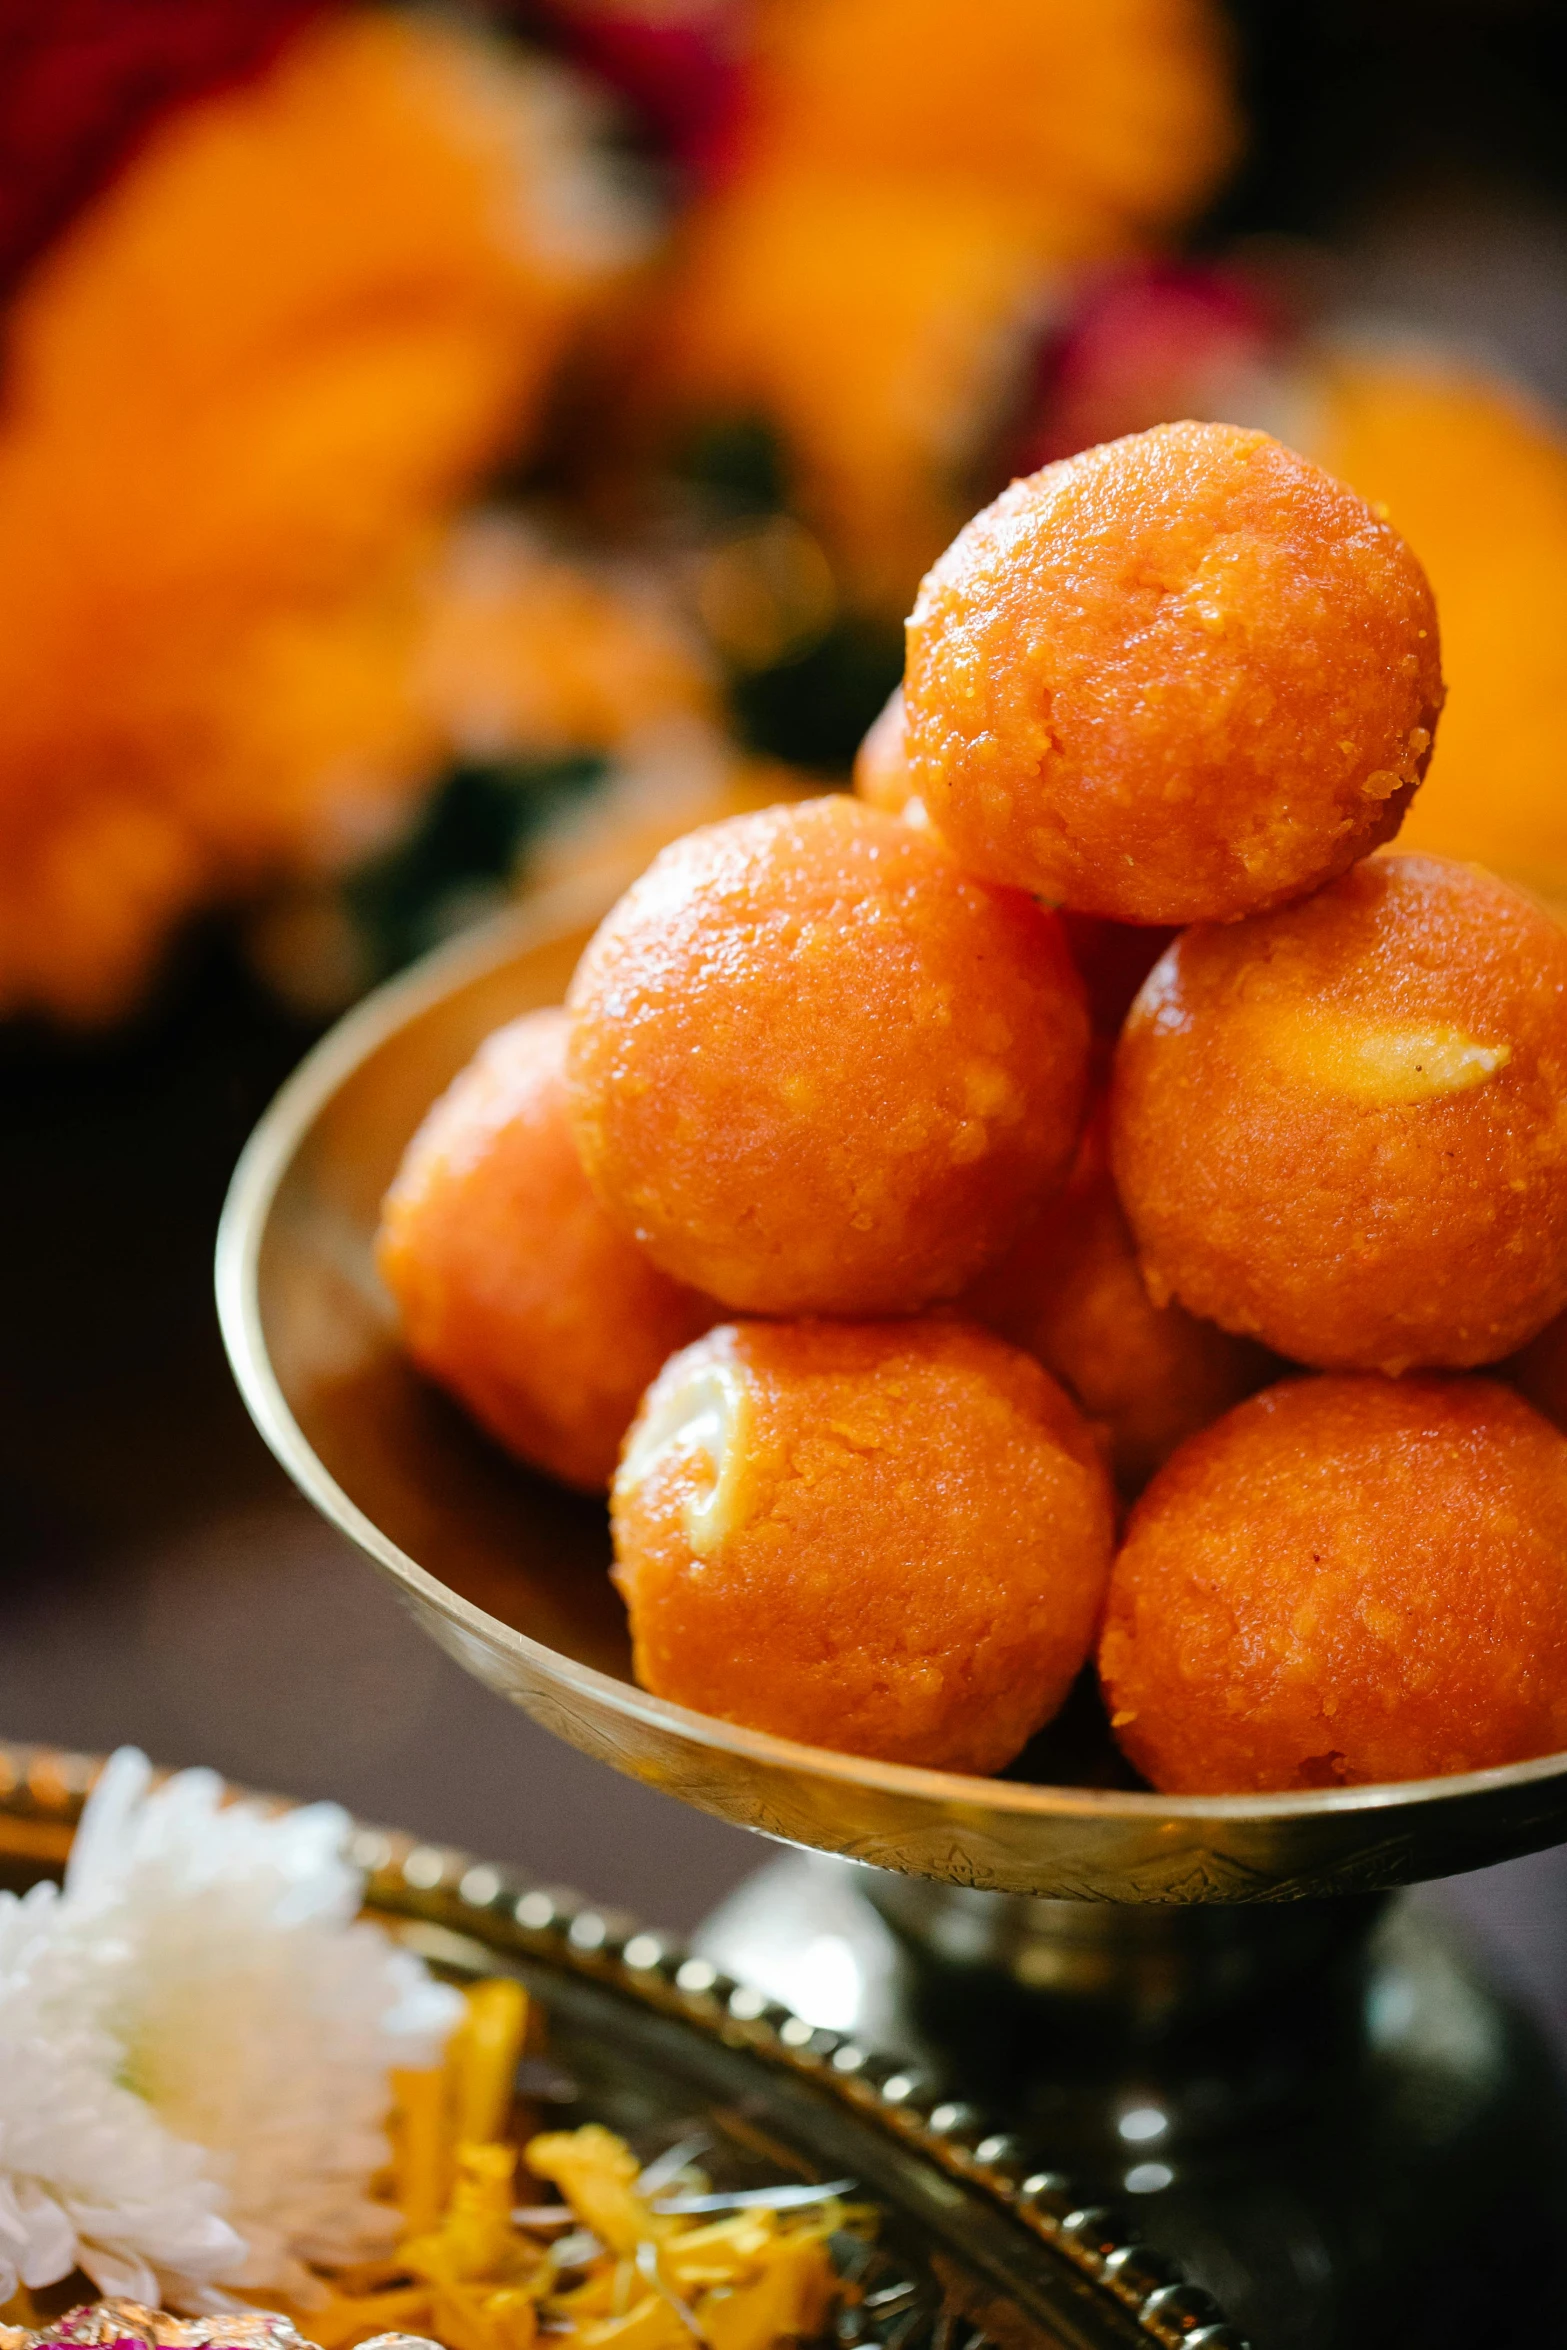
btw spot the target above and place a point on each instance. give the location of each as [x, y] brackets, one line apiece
[291, 281]
[244, 388]
[292, 287]
[82, 82]
[908, 185]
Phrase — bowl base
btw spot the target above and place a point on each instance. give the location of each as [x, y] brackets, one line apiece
[1323, 2111]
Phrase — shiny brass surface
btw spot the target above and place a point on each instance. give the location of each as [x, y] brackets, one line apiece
[508, 1572]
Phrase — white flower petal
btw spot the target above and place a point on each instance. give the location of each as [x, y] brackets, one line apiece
[226, 2031]
[120, 2276]
[47, 2249]
[102, 1834]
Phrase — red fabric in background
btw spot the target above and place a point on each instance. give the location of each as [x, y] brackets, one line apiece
[81, 82]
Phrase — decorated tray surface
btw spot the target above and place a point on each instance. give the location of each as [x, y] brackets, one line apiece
[976, 2243]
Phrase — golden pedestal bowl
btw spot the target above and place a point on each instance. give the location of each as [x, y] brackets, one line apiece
[508, 1572]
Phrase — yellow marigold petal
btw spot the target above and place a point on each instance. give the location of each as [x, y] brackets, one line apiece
[421, 2156]
[596, 2172]
[482, 2058]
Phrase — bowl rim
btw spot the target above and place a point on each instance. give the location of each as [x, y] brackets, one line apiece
[258, 1175]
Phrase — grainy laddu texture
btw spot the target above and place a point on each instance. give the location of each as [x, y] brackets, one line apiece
[1345, 1580]
[515, 1289]
[815, 1068]
[1179, 678]
[890, 1539]
[1342, 1128]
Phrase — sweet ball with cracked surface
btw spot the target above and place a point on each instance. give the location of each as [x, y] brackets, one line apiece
[1182, 677]
[891, 1539]
[1342, 1128]
[515, 1290]
[1345, 1580]
[816, 1068]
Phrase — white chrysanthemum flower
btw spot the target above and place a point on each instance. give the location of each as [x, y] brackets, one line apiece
[253, 2023]
[89, 2176]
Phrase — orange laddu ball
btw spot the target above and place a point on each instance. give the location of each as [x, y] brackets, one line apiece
[887, 1538]
[1345, 1580]
[1179, 678]
[1069, 1292]
[1342, 1128]
[515, 1290]
[817, 1069]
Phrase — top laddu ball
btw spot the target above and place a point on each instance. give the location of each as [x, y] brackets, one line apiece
[1183, 677]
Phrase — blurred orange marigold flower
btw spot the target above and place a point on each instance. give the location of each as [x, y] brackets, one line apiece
[1098, 121]
[531, 653]
[1476, 480]
[243, 392]
[911, 180]
[877, 328]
